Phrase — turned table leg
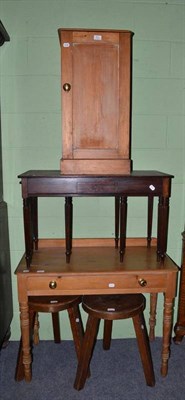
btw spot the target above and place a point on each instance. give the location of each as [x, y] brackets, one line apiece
[163, 214]
[152, 319]
[25, 332]
[117, 203]
[27, 230]
[149, 220]
[123, 225]
[167, 328]
[34, 221]
[68, 226]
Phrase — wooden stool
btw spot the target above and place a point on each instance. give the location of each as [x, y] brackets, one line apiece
[110, 308]
[52, 304]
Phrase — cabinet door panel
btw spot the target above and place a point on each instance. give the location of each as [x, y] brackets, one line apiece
[95, 116]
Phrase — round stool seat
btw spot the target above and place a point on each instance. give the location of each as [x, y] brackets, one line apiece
[52, 304]
[112, 307]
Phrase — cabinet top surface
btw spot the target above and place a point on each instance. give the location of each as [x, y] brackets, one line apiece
[94, 30]
[58, 174]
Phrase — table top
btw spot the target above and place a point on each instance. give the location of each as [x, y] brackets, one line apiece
[93, 260]
[53, 183]
[58, 174]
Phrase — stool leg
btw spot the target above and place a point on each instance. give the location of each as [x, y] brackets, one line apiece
[19, 371]
[107, 333]
[56, 327]
[86, 352]
[76, 328]
[36, 329]
[152, 319]
[144, 348]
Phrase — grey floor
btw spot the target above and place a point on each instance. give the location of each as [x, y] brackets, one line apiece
[115, 374]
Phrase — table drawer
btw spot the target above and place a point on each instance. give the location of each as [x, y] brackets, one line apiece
[92, 283]
[144, 187]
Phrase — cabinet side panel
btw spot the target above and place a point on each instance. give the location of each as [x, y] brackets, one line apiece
[125, 94]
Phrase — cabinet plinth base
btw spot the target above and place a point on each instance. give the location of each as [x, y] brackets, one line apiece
[98, 167]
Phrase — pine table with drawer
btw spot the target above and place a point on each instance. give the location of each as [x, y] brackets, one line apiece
[96, 270]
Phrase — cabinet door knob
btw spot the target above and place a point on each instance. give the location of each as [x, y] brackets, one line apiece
[142, 282]
[52, 285]
[67, 87]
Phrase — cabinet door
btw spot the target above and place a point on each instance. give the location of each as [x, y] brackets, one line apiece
[96, 75]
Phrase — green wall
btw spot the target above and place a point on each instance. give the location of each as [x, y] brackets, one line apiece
[31, 115]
